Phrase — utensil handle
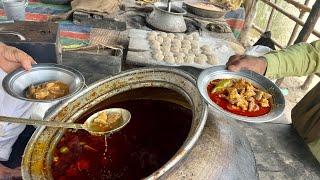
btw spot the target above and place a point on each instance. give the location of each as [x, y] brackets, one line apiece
[41, 122]
[20, 36]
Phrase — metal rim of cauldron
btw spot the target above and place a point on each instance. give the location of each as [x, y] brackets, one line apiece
[40, 163]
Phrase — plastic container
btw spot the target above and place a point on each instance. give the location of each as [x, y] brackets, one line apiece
[15, 9]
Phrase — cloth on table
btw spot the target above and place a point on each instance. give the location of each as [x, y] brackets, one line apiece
[9, 132]
[99, 7]
[235, 19]
[71, 35]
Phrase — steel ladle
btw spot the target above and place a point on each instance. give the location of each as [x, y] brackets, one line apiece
[125, 118]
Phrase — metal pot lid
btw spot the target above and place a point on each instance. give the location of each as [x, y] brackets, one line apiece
[220, 72]
[16, 82]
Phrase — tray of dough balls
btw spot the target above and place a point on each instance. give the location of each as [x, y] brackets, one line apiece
[160, 48]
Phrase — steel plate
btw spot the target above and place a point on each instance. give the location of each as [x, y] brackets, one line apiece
[204, 12]
[220, 72]
[19, 80]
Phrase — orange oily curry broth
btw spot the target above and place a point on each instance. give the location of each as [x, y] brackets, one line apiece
[47, 90]
[240, 97]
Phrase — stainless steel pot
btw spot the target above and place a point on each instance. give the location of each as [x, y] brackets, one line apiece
[147, 83]
[163, 20]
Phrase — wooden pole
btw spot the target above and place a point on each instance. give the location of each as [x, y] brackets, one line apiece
[292, 37]
[252, 9]
[261, 31]
[296, 27]
[302, 7]
[310, 23]
[294, 18]
[305, 33]
[270, 18]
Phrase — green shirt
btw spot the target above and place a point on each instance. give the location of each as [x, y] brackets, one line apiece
[297, 60]
[300, 60]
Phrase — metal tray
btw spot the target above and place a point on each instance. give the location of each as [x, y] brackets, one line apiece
[220, 72]
[204, 12]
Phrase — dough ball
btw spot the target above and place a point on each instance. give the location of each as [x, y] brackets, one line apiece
[179, 59]
[206, 48]
[186, 46]
[167, 54]
[177, 45]
[212, 59]
[179, 36]
[151, 38]
[194, 44]
[155, 46]
[158, 56]
[189, 58]
[166, 43]
[207, 52]
[156, 51]
[195, 36]
[167, 39]
[169, 59]
[171, 35]
[179, 54]
[153, 33]
[165, 48]
[188, 37]
[154, 43]
[184, 50]
[175, 49]
[185, 42]
[195, 51]
[176, 41]
[163, 34]
[200, 59]
[159, 39]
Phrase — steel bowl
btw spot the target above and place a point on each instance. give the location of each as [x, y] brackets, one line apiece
[17, 82]
[220, 72]
[204, 12]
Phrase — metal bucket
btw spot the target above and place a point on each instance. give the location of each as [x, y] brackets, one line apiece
[169, 84]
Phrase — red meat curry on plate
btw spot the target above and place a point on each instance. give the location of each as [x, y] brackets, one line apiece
[240, 97]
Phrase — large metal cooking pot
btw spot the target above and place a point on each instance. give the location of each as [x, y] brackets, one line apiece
[173, 85]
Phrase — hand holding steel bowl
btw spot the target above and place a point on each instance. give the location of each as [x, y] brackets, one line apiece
[259, 81]
[17, 82]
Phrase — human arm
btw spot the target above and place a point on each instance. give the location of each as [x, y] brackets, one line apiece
[7, 173]
[297, 60]
[12, 58]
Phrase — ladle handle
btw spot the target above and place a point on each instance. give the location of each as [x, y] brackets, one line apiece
[169, 6]
[41, 122]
